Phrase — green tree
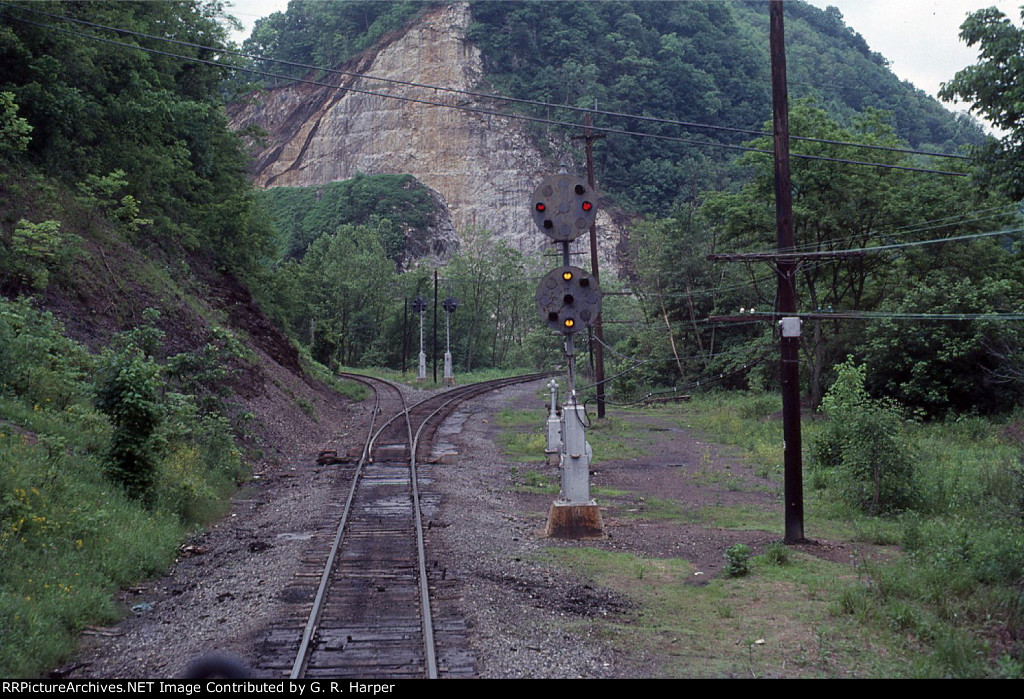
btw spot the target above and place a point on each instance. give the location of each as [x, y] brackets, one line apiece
[35, 250]
[995, 88]
[304, 213]
[98, 107]
[325, 33]
[839, 206]
[491, 281]
[862, 450]
[129, 391]
[14, 130]
[939, 366]
[348, 295]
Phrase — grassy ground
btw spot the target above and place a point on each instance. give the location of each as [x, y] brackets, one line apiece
[774, 622]
[940, 595]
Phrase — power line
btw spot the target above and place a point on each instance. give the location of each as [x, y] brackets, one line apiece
[893, 315]
[865, 250]
[959, 219]
[255, 71]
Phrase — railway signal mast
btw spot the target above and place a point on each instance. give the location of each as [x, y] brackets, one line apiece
[449, 305]
[569, 300]
[419, 305]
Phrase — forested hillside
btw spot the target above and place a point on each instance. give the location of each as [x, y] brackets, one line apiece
[700, 62]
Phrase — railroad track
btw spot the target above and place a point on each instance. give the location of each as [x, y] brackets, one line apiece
[362, 599]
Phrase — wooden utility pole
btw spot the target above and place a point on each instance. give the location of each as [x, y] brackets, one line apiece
[786, 271]
[405, 334]
[435, 326]
[588, 141]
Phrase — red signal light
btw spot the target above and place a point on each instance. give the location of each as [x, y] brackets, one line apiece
[541, 207]
[587, 206]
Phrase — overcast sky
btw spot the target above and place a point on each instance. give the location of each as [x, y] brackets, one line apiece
[919, 37]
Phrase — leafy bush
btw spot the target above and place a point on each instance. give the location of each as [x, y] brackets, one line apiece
[35, 250]
[101, 194]
[14, 130]
[37, 362]
[206, 373]
[737, 560]
[128, 392]
[861, 449]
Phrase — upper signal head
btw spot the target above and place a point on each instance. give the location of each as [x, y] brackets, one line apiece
[563, 207]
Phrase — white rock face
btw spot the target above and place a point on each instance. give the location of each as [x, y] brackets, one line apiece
[484, 167]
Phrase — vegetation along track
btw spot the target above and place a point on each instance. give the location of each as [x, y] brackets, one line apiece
[362, 597]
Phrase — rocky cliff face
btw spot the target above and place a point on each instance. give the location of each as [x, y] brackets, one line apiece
[484, 167]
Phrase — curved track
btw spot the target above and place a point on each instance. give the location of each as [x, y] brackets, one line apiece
[371, 615]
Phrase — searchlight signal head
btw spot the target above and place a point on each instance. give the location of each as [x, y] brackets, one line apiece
[568, 299]
[563, 207]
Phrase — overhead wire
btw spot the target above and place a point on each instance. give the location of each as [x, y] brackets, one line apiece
[998, 316]
[894, 246]
[924, 226]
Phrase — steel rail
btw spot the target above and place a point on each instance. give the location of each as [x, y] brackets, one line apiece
[302, 656]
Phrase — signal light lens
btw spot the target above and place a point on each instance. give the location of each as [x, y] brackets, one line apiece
[541, 207]
[569, 322]
[567, 276]
[587, 206]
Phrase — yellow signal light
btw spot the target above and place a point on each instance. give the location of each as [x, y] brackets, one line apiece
[569, 322]
[567, 276]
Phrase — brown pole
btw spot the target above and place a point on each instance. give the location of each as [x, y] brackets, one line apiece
[435, 326]
[598, 329]
[790, 345]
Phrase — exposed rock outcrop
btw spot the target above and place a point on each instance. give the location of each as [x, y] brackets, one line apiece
[441, 242]
[484, 167]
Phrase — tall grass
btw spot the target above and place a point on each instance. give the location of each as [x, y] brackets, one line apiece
[69, 540]
[957, 588]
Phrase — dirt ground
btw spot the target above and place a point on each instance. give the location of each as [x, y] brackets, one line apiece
[232, 581]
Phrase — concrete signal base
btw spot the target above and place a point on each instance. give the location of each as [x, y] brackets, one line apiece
[569, 521]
